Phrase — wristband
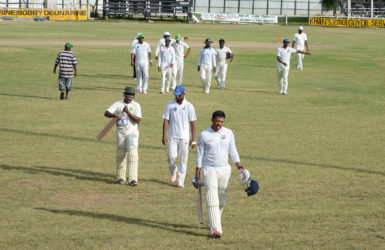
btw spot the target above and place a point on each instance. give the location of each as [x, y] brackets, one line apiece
[193, 143]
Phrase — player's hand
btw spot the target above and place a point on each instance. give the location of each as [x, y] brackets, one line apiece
[151, 63]
[171, 65]
[196, 181]
[159, 69]
[132, 64]
[285, 64]
[125, 110]
[54, 71]
[156, 57]
[309, 53]
[193, 144]
[164, 141]
[244, 175]
[118, 117]
[199, 68]
[76, 74]
[185, 38]
[185, 56]
[215, 69]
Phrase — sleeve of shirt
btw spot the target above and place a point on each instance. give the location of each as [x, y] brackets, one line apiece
[133, 49]
[157, 49]
[230, 51]
[159, 61]
[185, 45]
[233, 150]
[113, 108]
[74, 61]
[57, 61]
[191, 114]
[138, 111]
[200, 58]
[293, 50]
[214, 62]
[278, 54]
[305, 37]
[294, 38]
[148, 48]
[166, 113]
[200, 151]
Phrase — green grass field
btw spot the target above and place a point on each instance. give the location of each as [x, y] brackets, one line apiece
[318, 153]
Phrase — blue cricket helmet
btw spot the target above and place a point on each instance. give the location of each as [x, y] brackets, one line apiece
[252, 188]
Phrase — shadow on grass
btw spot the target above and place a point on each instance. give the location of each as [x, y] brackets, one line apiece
[107, 76]
[31, 96]
[154, 180]
[74, 173]
[172, 227]
[310, 164]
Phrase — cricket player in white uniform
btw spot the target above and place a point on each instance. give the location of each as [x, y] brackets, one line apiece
[177, 72]
[135, 41]
[179, 115]
[166, 63]
[206, 63]
[299, 43]
[128, 115]
[283, 65]
[141, 53]
[161, 43]
[222, 53]
[214, 146]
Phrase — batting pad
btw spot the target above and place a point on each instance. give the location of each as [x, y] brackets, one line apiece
[133, 164]
[214, 219]
[121, 164]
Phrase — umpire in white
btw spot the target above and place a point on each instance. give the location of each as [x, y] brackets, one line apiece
[207, 63]
[214, 146]
[178, 116]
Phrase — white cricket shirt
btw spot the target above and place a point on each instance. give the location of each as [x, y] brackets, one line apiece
[179, 50]
[179, 117]
[141, 53]
[299, 40]
[135, 41]
[126, 122]
[166, 57]
[207, 56]
[214, 148]
[221, 54]
[285, 55]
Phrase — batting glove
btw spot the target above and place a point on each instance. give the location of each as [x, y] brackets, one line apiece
[196, 181]
[244, 175]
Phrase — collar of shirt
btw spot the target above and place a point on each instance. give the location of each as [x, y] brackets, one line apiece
[213, 131]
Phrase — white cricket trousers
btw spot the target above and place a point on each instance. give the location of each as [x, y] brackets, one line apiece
[216, 184]
[141, 77]
[175, 148]
[283, 74]
[177, 73]
[166, 79]
[205, 74]
[127, 152]
[220, 75]
[300, 58]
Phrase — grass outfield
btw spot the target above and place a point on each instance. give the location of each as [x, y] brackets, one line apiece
[317, 153]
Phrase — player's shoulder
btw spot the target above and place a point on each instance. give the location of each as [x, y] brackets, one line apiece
[171, 103]
[134, 103]
[187, 103]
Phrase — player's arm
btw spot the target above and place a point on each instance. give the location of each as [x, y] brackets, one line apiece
[200, 60]
[279, 60]
[112, 115]
[214, 62]
[165, 129]
[157, 50]
[306, 46]
[200, 153]
[131, 115]
[75, 70]
[133, 59]
[303, 52]
[293, 44]
[188, 52]
[193, 134]
[54, 68]
[231, 55]
[150, 58]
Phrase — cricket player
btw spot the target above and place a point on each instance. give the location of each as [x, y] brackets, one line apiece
[299, 43]
[222, 53]
[141, 58]
[283, 65]
[128, 115]
[214, 146]
[179, 115]
[161, 43]
[206, 63]
[177, 72]
[135, 41]
[67, 70]
[165, 65]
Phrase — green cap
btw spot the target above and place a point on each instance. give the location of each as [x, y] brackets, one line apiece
[140, 35]
[68, 45]
[177, 37]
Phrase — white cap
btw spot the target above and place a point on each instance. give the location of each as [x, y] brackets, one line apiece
[166, 33]
[300, 28]
[137, 35]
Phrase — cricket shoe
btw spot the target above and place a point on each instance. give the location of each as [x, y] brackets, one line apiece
[281, 92]
[216, 234]
[120, 181]
[284, 93]
[133, 183]
[180, 186]
[172, 178]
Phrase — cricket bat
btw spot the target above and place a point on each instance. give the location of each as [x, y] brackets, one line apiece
[106, 129]
[200, 205]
